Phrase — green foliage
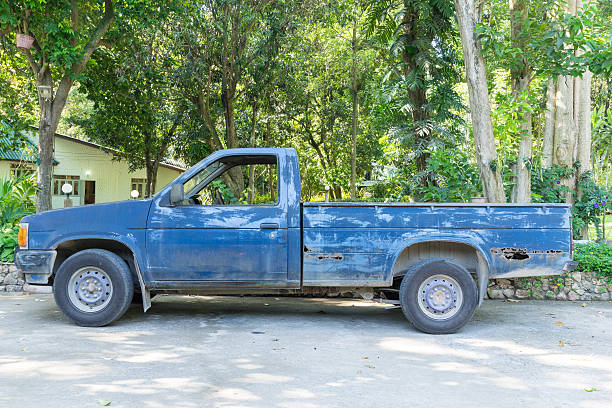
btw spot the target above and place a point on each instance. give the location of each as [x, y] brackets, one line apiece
[16, 199]
[594, 257]
[455, 178]
[589, 204]
[547, 185]
[8, 242]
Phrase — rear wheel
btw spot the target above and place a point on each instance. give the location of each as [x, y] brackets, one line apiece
[93, 287]
[438, 296]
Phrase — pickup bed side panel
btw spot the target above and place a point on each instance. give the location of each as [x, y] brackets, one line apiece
[357, 244]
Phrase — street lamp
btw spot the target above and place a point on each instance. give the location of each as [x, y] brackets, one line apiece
[134, 194]
[67, 189]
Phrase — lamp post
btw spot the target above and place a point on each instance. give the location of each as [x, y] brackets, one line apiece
[134, 194]
[327, 194]
[67, 189]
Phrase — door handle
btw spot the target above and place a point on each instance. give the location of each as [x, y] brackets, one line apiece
[268, 225]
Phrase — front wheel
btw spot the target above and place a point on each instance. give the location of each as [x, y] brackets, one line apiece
[93, 287]
[438, 296]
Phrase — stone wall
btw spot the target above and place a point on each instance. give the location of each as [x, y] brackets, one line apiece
[11, 279]
[570, 286]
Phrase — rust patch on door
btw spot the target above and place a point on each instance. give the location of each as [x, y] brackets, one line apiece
[325, 257]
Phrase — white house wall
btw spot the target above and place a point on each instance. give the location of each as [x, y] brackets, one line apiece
[112, 178]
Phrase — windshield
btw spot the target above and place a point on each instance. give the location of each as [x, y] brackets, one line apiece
[192, 184]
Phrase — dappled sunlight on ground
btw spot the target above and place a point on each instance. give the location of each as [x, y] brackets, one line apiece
[290, 352]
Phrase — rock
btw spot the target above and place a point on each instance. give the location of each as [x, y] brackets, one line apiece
[509, 293]
[537, 294]
[366, 293]
[522, 293]
[549, 294]
[577, 276]
[601, 289]
[573, 296]
[495, 294]
[580, 291]
[545, 284]
[12, 268]
[504, 283]
[10, 279]
[575, 286]
[588, 286]
[586, 296]
[13, 288]
[561, 296]
[587, 275]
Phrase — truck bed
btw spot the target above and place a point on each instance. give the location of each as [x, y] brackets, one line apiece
[349, 244]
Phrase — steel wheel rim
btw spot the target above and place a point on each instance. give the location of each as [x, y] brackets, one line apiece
[440, 297]
[90, 289]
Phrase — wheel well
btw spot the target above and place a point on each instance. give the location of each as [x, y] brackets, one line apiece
[68, 248]
[464, 254]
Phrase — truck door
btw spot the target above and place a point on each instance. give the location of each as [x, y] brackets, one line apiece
[232, 225]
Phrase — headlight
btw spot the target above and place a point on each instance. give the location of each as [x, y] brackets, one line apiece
[22, 238]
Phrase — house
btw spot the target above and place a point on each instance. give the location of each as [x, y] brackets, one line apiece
[90, 169]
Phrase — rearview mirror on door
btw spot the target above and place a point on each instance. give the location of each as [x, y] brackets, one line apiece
[177, 194]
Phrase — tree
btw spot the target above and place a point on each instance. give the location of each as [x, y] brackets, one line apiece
[218, 41]
[65, 34]
[138, 109]
[468, 15]
[567, 136]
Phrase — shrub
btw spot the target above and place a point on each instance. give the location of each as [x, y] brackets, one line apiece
[8, 242]
[594, 257]
[16, 201]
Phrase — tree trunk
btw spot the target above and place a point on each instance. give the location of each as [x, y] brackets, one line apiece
[355, 102]
[46, 131]
[417, 95]
[549, 125]
[252, 189]
[270, 171]
[50, 111]
[467, 18]
[520, 76]
[227, 99]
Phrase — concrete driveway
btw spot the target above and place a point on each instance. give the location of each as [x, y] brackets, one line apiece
[289, 352]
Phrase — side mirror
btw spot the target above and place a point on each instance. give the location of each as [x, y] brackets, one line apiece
[177, 194]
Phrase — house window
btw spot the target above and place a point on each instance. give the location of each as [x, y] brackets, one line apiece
[138, 184]
[20, 170]
[59, 181]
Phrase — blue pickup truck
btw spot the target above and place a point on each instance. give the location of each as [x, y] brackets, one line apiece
[199, 235]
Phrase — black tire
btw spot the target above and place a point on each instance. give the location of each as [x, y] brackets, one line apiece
[114, 268]
[419, 311]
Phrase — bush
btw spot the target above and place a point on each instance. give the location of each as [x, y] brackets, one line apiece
[8, 242]
[594, 257]
[16, 201]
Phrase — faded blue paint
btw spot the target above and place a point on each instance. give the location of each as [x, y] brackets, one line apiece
[289, 245]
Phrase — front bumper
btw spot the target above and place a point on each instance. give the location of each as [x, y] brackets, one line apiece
[35, 264]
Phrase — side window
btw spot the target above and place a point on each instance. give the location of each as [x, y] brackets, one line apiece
[236, 180]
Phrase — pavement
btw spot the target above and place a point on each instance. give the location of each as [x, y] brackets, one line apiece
[304, 352]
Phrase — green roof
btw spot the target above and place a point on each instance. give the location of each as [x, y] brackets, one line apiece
[22, 150]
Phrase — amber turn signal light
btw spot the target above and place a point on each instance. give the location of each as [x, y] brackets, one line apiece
[22, 237]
